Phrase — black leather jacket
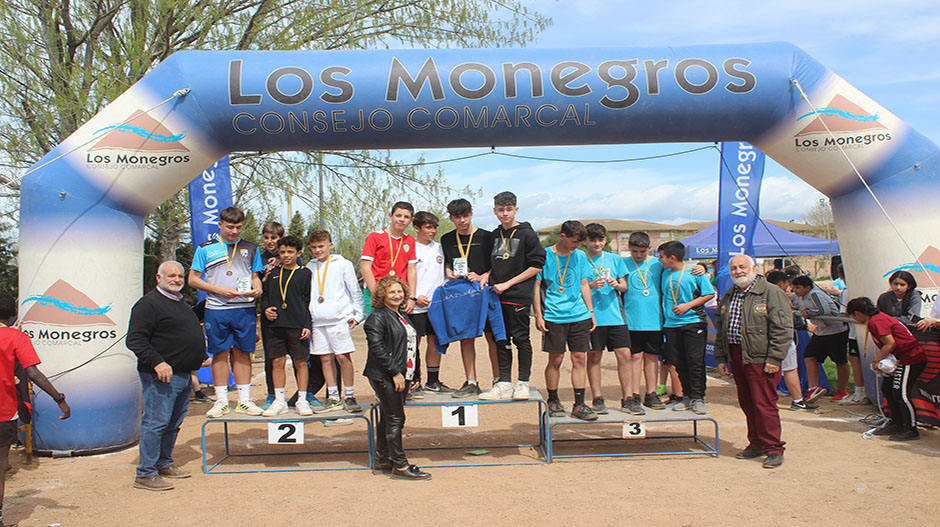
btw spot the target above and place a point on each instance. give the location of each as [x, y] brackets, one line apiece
[388, 345]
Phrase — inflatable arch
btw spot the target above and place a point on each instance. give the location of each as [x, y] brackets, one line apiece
[84, 203]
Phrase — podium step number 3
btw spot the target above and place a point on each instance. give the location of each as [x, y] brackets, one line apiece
[634, 430]
[460, 416]
[281, 433]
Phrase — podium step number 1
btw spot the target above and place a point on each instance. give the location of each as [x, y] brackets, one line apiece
[460, 416]
[634, 430]
[281, 433]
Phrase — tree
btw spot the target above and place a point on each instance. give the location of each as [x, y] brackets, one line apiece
[820, 215]
[62, 61]
[8, 267]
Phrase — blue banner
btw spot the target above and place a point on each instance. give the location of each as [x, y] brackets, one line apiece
[742, 168]
[209, 193]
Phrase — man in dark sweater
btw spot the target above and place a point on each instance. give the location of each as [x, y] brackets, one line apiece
[169, 343]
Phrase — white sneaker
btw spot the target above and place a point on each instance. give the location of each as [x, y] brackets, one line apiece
[303, 408]
[218, 409]
[521, 391]
[276, 408]
[249, 408]
[499, 391]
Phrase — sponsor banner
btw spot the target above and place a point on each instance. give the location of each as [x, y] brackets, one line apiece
[742, 169]
[209, 193]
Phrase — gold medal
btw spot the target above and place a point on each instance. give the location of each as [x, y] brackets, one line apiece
[391, 273]
[505, 256]
[282, 285]
[284, 305]
[561, 289]
[229, 273]
[561, 274]
[320, 300]
[507, 245]
[393, 258]
[227, 259]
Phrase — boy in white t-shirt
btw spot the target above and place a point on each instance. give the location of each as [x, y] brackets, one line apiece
[335, 308]
[430, 275]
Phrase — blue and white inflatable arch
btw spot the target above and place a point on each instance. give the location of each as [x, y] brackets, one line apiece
[84, 204]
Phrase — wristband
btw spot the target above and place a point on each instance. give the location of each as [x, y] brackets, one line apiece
[60, 399]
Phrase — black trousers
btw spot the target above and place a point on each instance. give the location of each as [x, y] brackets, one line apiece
[315, 380]
[391, 421]
[897, 390]
[686, 345]
[516, 320]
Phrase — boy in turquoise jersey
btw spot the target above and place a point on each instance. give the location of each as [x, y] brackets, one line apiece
[685, 324]
[606, 283]
[564, 312]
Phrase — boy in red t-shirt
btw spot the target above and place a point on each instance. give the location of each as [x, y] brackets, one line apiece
[892, 337]
[391, 252]
[15, 347]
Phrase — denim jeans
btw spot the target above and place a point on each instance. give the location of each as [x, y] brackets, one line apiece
[165, 407]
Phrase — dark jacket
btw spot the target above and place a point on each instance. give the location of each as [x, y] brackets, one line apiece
[388, 345]
[766, 325]
[909, 314]
[525, 251]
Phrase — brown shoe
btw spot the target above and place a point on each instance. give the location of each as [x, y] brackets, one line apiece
[174, 472]
[152, 483]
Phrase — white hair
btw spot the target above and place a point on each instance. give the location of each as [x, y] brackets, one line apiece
[164, 265]
[749, 258]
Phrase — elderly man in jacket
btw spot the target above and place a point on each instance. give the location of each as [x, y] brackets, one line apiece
[754, 328]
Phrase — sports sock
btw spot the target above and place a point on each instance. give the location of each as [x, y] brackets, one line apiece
[578, 396]
[349, 391]
[301, 396]
[798, 401]
[221, 393]
[244, 393]
[434, 375]
[332, 392]
[860, 391]
[472, 383]
[553, 395]
[279, 395]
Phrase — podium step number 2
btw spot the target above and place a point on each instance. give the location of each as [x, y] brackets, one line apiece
[460, 416]
[634, 430]
[281, 433]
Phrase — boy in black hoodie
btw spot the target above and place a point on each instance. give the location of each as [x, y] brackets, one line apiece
[516, 258]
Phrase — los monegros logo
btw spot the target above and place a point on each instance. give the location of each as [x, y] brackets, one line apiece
[139, 142]
[850, 124]
[64, 316]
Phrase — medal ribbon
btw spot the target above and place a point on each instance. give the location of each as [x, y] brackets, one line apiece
[283, 285]
[401, 242]
[463, 254]
[643, 276]
[505, 243]
[561, 275]
[675, 292]
[321, 284]
[225, 250]
[596, 269]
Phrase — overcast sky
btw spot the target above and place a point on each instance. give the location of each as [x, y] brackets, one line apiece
[889, 50]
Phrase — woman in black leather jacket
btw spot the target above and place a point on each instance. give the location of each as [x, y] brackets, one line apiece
[390, 367]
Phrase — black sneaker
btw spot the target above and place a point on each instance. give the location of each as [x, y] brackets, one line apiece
[905, 435]
[410, 472]
[600, 407]
[888, 429]
[634, 406]
[438, 387]
[555, 409]
[467, 390]
[583, 412]
[749, 453]
[803, 405]
[417, 393]
[351, 405]
[200, 396]
[653, 402]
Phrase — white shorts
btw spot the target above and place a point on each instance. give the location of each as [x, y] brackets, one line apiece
[335, 340]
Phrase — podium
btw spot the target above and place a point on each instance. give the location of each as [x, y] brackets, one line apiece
[464, 413]
[286, 431]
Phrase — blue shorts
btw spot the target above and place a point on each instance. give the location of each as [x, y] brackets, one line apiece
[230, 328]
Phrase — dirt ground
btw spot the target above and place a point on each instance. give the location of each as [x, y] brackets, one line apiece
[831, 473]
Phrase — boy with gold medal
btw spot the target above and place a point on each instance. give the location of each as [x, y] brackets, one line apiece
[336, 307]
[284, 304]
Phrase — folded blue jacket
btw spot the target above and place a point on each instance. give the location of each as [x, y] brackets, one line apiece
[460, 310]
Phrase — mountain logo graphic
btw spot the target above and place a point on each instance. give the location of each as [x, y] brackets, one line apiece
[841, 116]
[139, 133]
[63, 305]
[931, 260]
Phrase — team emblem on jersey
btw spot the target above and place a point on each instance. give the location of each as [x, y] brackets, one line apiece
[245, 253]
[440, 260]
[406, 247]
[760, 308]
